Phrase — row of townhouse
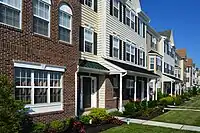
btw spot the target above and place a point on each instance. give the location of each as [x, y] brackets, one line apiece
[68, 56]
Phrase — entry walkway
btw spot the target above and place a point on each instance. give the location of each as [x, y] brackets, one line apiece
[161, 124]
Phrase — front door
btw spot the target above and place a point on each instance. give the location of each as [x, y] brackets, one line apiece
[89, 94]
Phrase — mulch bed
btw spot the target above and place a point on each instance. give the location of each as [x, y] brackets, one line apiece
[98, 128]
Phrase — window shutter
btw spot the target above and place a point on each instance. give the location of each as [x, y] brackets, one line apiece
[95, 5]
[144, 29]
[95, 43]
[124, 14]
[120, 11]
[81, 39]
[111, 7]
[124, 51]
[138, 56]
[111, 45]
[82, 1]
[120, 49]
[136, 23]
[136, 50]
[144, 59]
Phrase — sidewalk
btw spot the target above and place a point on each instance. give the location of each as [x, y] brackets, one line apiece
[161, 124]
[180, 109]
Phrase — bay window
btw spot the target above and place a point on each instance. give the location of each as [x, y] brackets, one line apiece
[88, 40]
[158, 64]
[11, 11]
[65, 23]
[41, 17]
[116, 8]
[37, 86]
[130, 52]
[151, 63]
[116, 47]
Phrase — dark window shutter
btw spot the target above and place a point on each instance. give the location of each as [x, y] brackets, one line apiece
[138, 26]
[124, 51]
[120, 11]
[111, 45]
[144, 59]
[120, 49]
[136, 55]
[95, 43]
[144, 29]
[82, 1]
[81, 39]
[111, 7]
[95, 5]
[124, 14]
[136, 23]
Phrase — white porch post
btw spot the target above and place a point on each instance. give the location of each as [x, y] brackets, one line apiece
[162, 87]
[147, 89]
[171, 88]
[175, 89]
[154, 89]
[180, 88]
[120, 92]
[156, 96]
[142, 90]
[135, 89]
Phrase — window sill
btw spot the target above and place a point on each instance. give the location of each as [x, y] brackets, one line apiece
[41, 36]
[65, 43]
[10, 27]
[44, 108]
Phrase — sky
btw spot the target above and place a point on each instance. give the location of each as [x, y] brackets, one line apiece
[183, 17]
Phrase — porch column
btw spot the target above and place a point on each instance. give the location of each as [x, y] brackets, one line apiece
[175, 89]
[142, 90]
[135, 89]
[120, 93]
[162, 87]
[147, 89]
[154, 89]
[180, 89]
[156, 96]
[171, 88]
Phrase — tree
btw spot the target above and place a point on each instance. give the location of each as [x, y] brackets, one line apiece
[11, 111]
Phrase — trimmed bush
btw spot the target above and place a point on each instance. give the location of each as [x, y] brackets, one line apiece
[143, 105]
[167, 101]
[152, 104]
[177, 100]
[116, 113]
[57, 125]
[85, 119]
[130, 109]
[39, 127]
[194, 91]
[98, 113]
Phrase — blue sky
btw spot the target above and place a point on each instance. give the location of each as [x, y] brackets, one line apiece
[183, 17]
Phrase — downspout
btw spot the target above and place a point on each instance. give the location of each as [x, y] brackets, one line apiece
[76, 92]
[120, 102]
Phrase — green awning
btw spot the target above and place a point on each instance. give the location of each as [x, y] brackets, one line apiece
[92, 65]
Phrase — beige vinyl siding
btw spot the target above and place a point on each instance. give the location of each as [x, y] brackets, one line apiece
[113, 25]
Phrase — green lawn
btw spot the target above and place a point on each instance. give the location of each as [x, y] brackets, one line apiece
[135, 128]
[193, 103]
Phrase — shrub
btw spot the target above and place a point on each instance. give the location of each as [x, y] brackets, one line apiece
[163, 102]
[167, 101]
[39, 127]
[85, 119]
[57, 125]
[160, 95]
[116, 113]
[129, 109]
[194, 91]
[178, 100]
[98, 113]
[143, 105]
[12, 112]
[67, 121]
[152, 104]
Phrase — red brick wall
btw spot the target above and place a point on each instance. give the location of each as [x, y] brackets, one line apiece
[26, 46]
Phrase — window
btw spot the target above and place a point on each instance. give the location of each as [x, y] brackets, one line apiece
[132, 20]
[128, 15]
[116, 47]
[88, 40]
[115, 86]
[116, 8]
[130, 52]
[141, 58]
[11, 12]
[45, 85]
[159, 64]
[65, 20]
[140, 27]
[41, 17]
[130, 88]
[166, 67]
[176, 71]
[154, 43]
[89, 3]
[151, 62]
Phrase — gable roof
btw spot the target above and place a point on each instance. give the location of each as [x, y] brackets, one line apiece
[189, 62]
[181, 52]
[166, 33]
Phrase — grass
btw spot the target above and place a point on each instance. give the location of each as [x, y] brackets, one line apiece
[193, 103]
[135, 128]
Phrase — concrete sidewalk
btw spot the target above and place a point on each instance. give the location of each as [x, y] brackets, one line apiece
[161, 124]
[180, 109]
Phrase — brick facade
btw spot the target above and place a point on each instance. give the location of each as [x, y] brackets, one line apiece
[24, 45]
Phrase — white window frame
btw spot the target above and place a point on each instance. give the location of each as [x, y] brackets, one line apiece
[42, 107]
[115, 85]
[20, 15]
[116, 8]
[92, 7]
[151, 62]
[90, 41]
[141, 57]
[115, 37]
[140, 24]
[68, 11]
[130, 52]
[130, 84]
[128, 16]
[132, 20]
[46, 2]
